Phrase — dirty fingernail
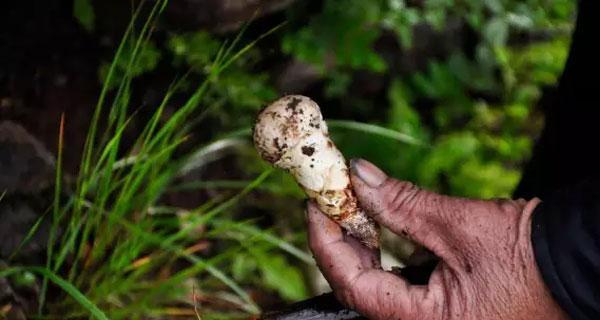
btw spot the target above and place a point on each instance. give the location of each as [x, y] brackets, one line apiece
[367, 172]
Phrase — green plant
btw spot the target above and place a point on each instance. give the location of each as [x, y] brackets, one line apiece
[113, 247]
[463, 125]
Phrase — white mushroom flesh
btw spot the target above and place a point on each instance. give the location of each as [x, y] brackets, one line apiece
[292, 135]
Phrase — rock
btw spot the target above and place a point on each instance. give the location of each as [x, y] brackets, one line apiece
[26, 175]
[18, 217]
[26, 166]
[323, 307]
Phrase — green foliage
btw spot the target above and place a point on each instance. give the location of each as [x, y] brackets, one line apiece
[61, 283]
[474, 148]
[83, 11]
[464, 125]
[120, 251]
[462, 133]
[280, 275]
[402, 19]
[533, 66]
[345, 43]
[276, 273]
[237, 89]
[146, 55]
[244, 90]
[196, 50]
[341, 37]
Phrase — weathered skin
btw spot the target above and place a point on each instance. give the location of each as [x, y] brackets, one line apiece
[291, 134]
[486, 270]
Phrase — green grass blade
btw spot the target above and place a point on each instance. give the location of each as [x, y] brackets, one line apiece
[55, 212]
[249, 46]
[193, 259]
[218, 209]
[63, 284]
[374, 129]
[351, 125]
[221, 184]
[28, 236]
[72, 291]
[90, 139]
[268, 237]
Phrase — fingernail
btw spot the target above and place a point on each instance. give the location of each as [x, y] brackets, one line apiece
[367, 172]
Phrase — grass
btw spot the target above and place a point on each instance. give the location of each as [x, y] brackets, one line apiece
[116, 251]
[63, 284]
[107, 250]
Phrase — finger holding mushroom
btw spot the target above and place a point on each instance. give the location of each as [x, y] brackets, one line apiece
[292, 135]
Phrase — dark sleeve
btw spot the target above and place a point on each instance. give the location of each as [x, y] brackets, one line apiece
[566, 226]
[566, 243]
[567, 150]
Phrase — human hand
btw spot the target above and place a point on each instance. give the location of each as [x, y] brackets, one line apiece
[487, 268]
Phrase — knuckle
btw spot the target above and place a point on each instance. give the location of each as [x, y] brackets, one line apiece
[350, 289]
[400, 196]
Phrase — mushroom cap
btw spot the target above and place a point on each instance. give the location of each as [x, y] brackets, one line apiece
[282, 125]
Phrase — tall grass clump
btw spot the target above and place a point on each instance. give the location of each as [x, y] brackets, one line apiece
[112, 252]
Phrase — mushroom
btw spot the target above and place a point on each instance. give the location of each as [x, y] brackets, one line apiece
[291, 134]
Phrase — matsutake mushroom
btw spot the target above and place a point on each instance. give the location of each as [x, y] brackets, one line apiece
[292, 135]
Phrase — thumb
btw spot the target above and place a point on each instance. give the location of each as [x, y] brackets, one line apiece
[425, 217]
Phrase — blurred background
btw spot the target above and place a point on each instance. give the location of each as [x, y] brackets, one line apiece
[167, 211]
